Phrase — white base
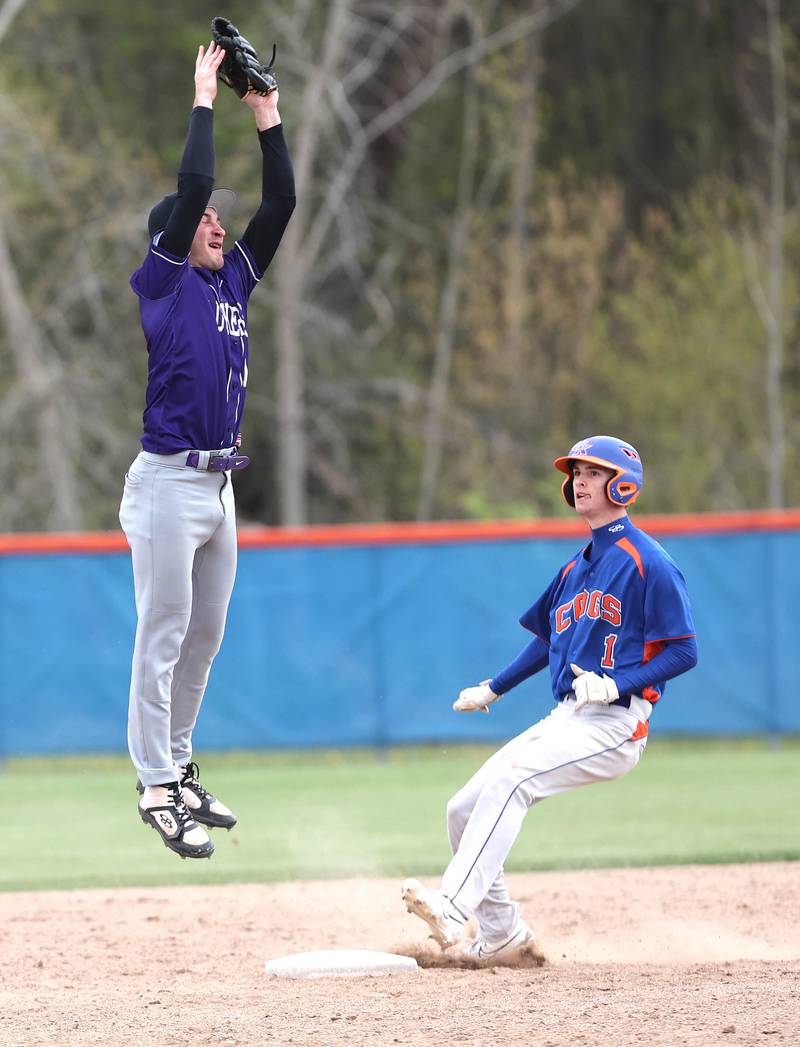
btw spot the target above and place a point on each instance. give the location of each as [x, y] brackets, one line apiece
[340, 963]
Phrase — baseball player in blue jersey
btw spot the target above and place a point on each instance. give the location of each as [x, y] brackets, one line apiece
[177, 508]
[613, 626]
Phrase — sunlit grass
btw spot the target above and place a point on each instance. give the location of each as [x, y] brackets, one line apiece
[72, 822]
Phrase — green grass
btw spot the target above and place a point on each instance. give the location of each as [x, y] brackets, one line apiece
[72, 822]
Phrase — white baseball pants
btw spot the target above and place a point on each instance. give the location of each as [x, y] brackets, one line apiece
[563, 751]
[181, 526]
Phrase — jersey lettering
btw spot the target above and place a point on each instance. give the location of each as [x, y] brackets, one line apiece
[612, 610]
[563, 621]
[229, 318]
[592, 605]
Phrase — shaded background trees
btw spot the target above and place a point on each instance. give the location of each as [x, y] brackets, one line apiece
[518, 223]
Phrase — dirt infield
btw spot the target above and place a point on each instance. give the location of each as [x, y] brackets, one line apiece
[691, 955]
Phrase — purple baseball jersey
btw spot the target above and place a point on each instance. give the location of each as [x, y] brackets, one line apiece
[612, 608]
[195, 323]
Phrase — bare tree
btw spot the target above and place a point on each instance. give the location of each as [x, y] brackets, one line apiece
[523, 167]
[446, 334]
[774, 315]
[350, 103]
[34, 397]
[36, 393]
[767, 112]
[8, 12]
[64, 324]
[293, 272]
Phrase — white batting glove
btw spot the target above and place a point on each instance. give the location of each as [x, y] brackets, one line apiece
[473, 698]
[590, 687]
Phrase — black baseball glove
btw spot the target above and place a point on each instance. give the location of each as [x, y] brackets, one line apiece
[241, 67]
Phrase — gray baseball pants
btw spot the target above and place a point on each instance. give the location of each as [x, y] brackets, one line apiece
[561, 752]
[181, 526]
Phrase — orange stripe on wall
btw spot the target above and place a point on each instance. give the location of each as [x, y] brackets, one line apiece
[418, 533]
[80, 542]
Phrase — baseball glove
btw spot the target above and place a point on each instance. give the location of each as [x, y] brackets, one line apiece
[241, 67]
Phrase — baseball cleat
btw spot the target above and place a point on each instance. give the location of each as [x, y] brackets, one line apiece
[204, 808]
[494, 950]
[445, 921]
[176, 827]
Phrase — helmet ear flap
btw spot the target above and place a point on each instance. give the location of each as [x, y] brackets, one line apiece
[627, 491]
[622, 492]
[568, 490]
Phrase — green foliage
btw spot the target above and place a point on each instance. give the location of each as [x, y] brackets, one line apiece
[338, 814]
[685, 333]
[618, 245]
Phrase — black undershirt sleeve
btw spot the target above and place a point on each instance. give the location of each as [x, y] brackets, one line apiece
[195, 182]
[266, 227]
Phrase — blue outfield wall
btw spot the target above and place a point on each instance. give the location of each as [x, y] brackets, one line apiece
[370, 644]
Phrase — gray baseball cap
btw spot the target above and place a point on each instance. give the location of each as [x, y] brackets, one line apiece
[222, 200]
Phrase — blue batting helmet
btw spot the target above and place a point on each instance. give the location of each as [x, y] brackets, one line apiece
[624, 486]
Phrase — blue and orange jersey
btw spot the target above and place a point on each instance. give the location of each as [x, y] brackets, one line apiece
[612, 608]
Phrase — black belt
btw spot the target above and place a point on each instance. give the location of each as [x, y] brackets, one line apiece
[624, 701]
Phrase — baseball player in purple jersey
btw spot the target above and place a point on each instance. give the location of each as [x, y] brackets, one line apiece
[178, 509]
[613, 626]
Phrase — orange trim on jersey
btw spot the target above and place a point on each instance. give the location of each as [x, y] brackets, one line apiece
[669, 639]
[567, 569]
[642, 730]
[627, 546]
[652, 648]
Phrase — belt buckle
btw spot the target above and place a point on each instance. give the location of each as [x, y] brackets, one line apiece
[216, 461]
[220, 463]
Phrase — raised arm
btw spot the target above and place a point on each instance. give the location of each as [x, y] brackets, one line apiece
[196, 171]
[266, 227]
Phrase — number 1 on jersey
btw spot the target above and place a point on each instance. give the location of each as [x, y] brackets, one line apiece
[608, 651]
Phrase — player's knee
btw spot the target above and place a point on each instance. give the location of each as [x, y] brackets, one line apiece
[458, 812]
[510, 786]
[206, 639]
